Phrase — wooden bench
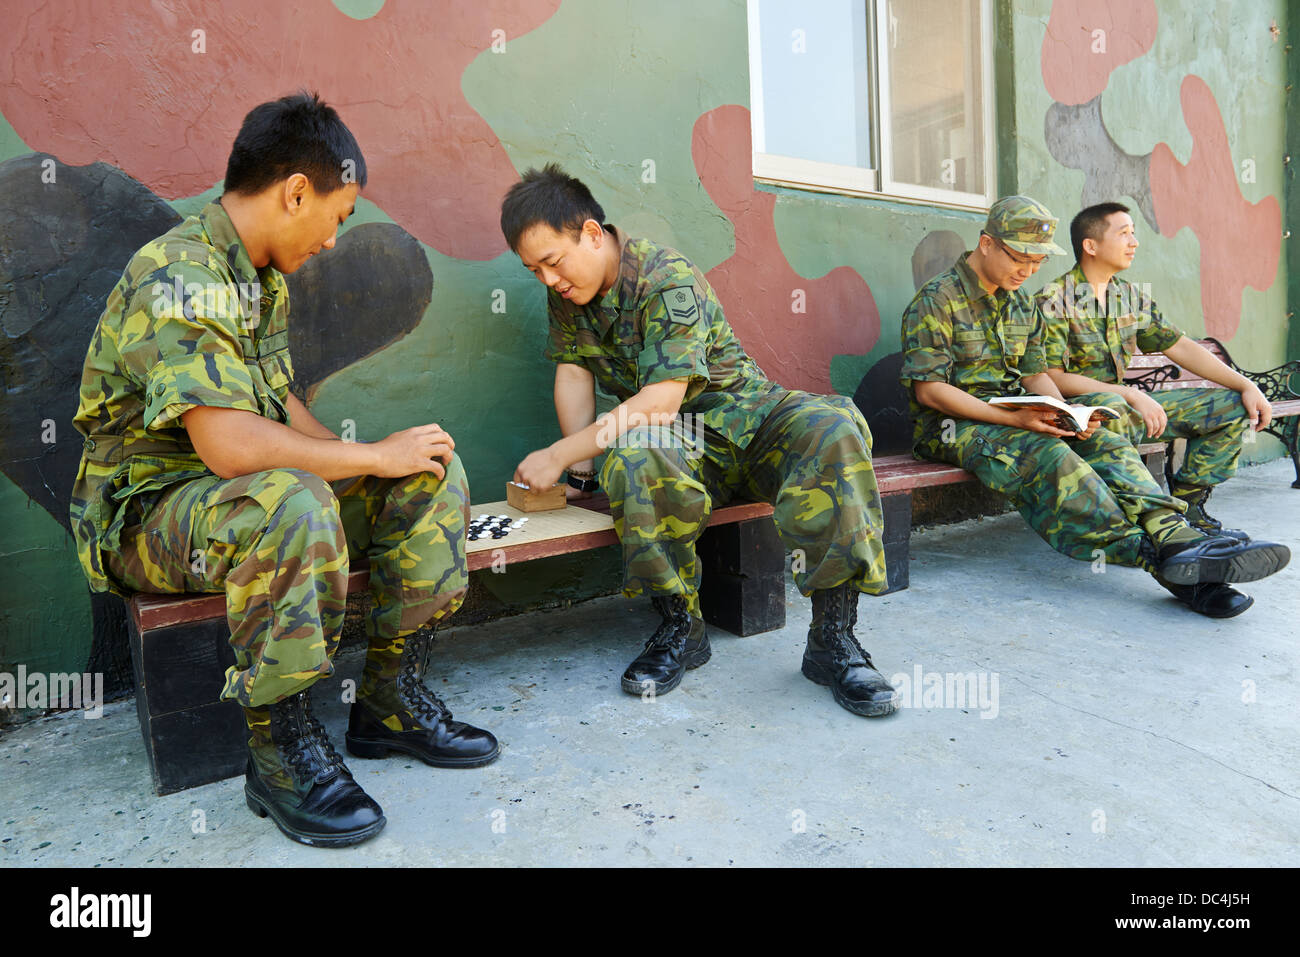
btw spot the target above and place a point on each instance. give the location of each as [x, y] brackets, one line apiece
[1153, 372]
[898, 476]
[180, 644]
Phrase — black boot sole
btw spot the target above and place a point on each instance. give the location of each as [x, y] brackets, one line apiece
[1250, 563]
[369, 748]
[867, 709]
[690, 661]
[263, 809]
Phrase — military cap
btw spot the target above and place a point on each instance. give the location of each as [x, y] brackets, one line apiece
[1024, 224]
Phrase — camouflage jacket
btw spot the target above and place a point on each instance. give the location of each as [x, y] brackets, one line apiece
[1085, 339]
[983, 343]
[190, 323]
[661, 320]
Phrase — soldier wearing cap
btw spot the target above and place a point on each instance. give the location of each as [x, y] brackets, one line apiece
[969, 335]
[203, 472]
[639, 319]
[1096, 322]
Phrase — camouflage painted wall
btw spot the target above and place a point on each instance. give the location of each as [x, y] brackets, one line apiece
[1179, 105]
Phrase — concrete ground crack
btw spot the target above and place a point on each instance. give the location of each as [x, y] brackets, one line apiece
[1163, 737]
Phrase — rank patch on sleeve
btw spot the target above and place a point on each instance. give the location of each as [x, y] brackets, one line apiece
[681, 304]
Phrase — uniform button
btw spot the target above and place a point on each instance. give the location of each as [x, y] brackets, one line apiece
[90, 445]
[160, 390]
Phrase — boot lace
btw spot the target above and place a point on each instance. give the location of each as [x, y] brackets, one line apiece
[410, 682]
[308, 750]
[676, 626]
[839, 616]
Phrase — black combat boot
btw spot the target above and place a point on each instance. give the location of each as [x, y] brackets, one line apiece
[426, 730]
[302, 783]
[1219, 559]
[681, 642]
[834, 657]
[1212, 599]
[1196, 497]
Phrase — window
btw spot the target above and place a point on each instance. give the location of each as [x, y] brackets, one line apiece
[888, 97]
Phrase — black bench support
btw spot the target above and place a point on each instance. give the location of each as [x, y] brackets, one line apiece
[743, 576]
[191, 737]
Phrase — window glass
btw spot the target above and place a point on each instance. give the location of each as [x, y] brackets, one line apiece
[814, 81]
[936, 121]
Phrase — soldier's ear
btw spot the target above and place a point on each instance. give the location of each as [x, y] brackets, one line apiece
[295, 188]
[594, 231]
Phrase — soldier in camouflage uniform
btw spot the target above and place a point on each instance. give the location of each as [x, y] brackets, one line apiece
[970, 335]
[1097, 322]
[698, 424]
[203, 472]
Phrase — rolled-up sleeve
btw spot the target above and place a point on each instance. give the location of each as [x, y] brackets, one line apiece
[927, 342]
[1158, 333]
[194, 356]
[675, 340]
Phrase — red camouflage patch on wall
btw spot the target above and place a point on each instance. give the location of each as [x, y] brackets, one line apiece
[757, 284]
[1240, 241]
[1076, 68]
[128, 90]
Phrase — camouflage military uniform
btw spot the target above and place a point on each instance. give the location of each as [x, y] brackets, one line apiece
[738, 434]
[1088, 340]
[1078, 495]
[192, 323]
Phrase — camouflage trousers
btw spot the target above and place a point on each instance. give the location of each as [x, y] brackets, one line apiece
[810, 459]
[278, 543]
[1080, 496]
[1213, 421]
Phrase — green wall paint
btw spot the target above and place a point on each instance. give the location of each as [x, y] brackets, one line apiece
[360, 9]
[44, 601]
[11, 143]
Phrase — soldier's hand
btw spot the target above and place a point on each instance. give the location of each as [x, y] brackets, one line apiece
[1038, 420]
[540, 470]
[1094, 423]
[1258, 410]
[1152, 414]
[424, 448]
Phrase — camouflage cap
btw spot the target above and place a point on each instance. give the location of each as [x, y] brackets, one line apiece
[1024, 224]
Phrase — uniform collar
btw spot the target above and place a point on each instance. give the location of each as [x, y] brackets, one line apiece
[268, 282]
[1083, 294]
[970, 282]
[221, 232]
[614, 294]
[604, 312]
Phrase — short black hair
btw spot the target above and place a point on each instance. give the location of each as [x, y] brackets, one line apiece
[294, 134]
[549, 196]
[1090, 223]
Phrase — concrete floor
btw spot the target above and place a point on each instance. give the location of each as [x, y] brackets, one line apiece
[1123, 730]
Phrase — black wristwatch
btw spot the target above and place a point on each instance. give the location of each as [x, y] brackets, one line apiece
[584, 485]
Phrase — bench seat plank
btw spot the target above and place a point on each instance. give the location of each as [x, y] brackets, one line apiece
[547, 534]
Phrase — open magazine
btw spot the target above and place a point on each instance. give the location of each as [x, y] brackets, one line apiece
[1072, 418]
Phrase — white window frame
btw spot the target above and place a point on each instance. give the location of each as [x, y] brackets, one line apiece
[876, 180]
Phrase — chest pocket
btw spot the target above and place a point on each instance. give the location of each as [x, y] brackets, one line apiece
[1016, 338]
[969, 345]
[1127, 327]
